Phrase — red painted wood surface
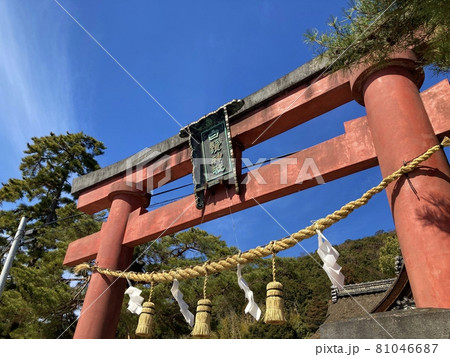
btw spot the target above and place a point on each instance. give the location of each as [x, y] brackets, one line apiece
[335, 158]
[401, 130]
[401, 124]
[296, 107]
[102, 304]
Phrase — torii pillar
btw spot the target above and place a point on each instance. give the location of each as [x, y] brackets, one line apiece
[401, 130]
[102, 305]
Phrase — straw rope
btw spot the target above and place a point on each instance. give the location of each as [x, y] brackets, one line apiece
[273, 247]
[274, 269]
[151, 292]
[206, 280]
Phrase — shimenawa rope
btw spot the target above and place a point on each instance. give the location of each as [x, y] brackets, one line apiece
[273, 247]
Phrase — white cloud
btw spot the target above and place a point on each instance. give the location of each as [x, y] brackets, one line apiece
[35, 82]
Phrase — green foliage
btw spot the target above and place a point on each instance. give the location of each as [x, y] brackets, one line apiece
[46, 169]
[359, 259]
[371, 30]
[40, 297]
[388, 252]
[306, 287]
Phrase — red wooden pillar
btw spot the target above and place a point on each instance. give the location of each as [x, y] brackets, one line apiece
[102, 304]
[401, 131]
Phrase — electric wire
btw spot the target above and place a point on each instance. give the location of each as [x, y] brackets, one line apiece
[244, 167]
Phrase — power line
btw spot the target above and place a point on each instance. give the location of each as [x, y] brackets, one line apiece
[7, 246]
[64, 219]
[158, 204]
[244, 167]
[169, 200]
[172, 189]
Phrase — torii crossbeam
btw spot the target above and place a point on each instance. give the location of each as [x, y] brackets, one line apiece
[401, 123]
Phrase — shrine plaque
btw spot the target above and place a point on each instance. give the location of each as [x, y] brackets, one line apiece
[216, 153]
[212, 151]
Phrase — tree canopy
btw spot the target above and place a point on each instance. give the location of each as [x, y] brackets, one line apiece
[371, 30]
[47, 166]
[306, 286]
[41, 297]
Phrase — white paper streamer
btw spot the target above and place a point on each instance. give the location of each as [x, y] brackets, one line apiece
[251, 307]
[184, 308]
[329, 257]
[135, 303]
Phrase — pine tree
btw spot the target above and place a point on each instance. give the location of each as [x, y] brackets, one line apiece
[192, 247]
[306, 286]
[371, 30]
[40, 298]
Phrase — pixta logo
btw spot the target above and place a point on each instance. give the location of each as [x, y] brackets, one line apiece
[290, 171]
[150, 169]
[147, 170]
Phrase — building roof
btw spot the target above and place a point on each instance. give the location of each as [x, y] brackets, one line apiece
[369, 287]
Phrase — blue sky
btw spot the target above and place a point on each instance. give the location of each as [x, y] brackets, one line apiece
[190, 56]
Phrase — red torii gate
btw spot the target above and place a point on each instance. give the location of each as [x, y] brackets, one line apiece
[401, 123]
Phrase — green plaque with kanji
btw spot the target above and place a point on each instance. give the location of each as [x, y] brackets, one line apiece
[212, 150]
[217, 153]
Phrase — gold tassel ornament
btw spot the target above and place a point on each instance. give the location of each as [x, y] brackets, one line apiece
[274, 301]
[144, 328]
[202, 326]
[274, 304]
